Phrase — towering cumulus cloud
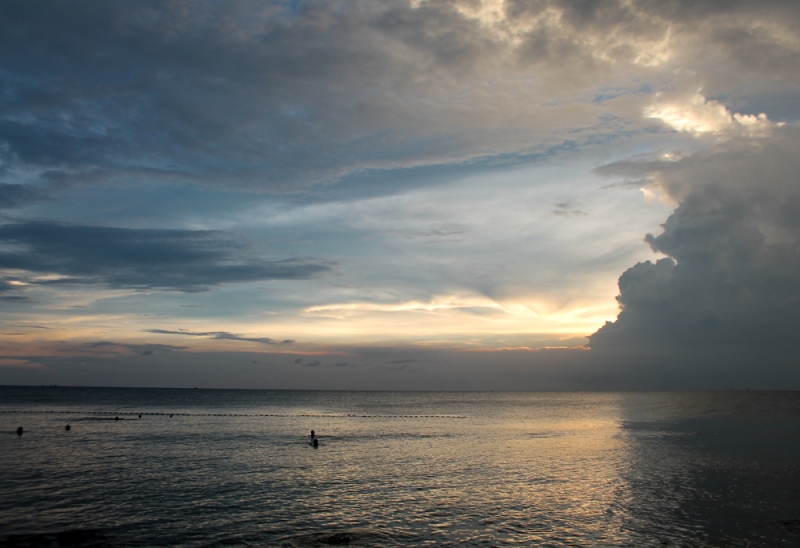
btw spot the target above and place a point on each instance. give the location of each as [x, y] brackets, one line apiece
[731, 275]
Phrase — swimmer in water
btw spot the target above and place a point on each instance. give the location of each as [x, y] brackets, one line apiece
[67, 427]
[19, 431]
[315, 443]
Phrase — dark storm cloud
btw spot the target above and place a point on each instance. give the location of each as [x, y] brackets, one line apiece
[143, 259]
[732, 272]
[221, 335]
[274, 95]
[211, 91]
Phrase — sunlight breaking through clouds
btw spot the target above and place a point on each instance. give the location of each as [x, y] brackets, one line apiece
[697, 115]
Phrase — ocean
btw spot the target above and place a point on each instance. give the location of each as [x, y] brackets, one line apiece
[236, 468]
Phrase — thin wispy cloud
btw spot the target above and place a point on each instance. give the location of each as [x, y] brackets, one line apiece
[218, 335]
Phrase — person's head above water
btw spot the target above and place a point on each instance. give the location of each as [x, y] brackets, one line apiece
[312, 433]
[315, 443]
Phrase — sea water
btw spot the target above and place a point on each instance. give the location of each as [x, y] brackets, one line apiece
[236, 468]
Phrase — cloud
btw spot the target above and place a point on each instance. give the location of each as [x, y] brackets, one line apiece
[9, 284]
[14, 196]
[219, 335]
[731, 275]
[468, 304]
[113, 349]
[16, 299]
[286, 94]
[697, 115]
[567, 209]
[437, 369]
[139, 259]
[21, 363]
[159, 112]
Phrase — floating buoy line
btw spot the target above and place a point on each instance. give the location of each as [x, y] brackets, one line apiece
[137, 413]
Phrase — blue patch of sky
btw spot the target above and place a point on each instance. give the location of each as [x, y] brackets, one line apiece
[294, 6]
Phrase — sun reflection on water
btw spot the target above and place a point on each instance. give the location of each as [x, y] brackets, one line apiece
[391, 469]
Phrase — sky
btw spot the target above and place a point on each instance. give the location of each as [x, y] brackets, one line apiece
[400, 194]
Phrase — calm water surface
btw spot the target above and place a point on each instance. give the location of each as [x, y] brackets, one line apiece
[235, 468]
